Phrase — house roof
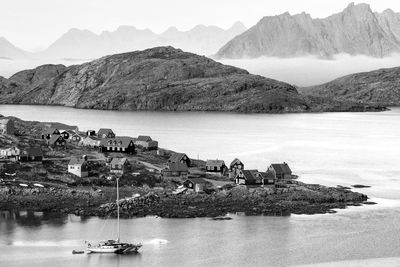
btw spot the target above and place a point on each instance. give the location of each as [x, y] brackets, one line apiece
[118, 141]
[33, 152]
[177, 157]
[94, 138]
[177, 167]
[215, 162]
[76, 161]
[144, 138]
[71, 132]
[267, 175]
[282, 168]
[250, 175]
[121, 161]
[235, 161]
[50, 130]
[197, 180]
[54, 138]
[105, 131]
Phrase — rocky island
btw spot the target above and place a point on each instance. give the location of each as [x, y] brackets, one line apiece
[46, 183]
[163, 78]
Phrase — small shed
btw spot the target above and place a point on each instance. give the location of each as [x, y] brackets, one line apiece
[195, 184]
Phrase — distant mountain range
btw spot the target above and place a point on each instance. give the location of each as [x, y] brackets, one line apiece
[355, 31]
[83, 44]
[9, 51]
[378, 87]
[161, 78]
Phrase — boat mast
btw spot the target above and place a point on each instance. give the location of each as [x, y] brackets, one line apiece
[118, 209]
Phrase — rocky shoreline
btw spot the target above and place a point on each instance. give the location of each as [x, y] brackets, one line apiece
[298, 199]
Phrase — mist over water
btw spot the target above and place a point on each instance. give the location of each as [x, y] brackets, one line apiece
[306, 71]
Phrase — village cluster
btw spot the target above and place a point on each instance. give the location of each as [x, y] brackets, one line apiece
[119, 150]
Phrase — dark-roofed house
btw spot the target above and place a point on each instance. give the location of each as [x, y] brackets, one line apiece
[56, 141]
[66, 134]
[234, 167]
[175, 170]
[249, 177]
[146, 142]
[122, 144]
[195, 184]
[77, 137]
[119, 165]
[78, 167]
[280, 171]
[180, 158]
[49, 132]
[105, 133]
[90, 133]
[31, 154]
[7, 126]
[216, 166]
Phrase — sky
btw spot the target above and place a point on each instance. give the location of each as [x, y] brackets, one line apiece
[35, 24]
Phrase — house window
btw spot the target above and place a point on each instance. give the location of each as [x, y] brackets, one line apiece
[123, 149]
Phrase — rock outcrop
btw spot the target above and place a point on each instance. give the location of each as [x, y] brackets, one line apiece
[380, 87]
[161, 78]
[355, 31]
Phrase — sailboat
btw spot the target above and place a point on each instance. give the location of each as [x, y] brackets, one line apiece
[114, 246]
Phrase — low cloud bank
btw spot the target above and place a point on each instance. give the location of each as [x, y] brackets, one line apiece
[306, 71]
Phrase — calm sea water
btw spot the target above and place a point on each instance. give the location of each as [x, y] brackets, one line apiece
[326, 148]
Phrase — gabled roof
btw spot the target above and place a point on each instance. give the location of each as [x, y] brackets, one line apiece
[177, 157]
[33, 152]
[177, 167]
[250, 175]
[121, 161]
[77, 161]
[197, 180]
[235, 161]
[215, 162]
[54, 138]
[94, 138]
[282, 168]
[71, 132]
[118, 141]
[144, 138]
[50, 131]
[105, 131]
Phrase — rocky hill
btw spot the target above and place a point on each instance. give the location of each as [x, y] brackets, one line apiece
[355, 31]
[161, 78]
[380, 86]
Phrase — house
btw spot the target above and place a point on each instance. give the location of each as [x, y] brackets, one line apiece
[76, 137]
[249, 177]
[123, 144]
[67, 134]
[12, 152]
[268, 178]
[7, 126]
[90, 141]
[280, 171]
[105, 133]
[90, 133]
[62, 127]
[31, 154]
[216, 166]
[175, 169]
[234, 167]
[180, 158]
[146, 142]
[119, 165]
[56, 141]
[161, 152]
[49, 132]
[79, 167]
[195, 184]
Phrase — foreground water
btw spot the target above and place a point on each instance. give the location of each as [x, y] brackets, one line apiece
[326, 148]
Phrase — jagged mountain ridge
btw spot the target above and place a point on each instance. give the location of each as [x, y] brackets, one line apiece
[161, 78]
[355, 31]
[84, 44]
